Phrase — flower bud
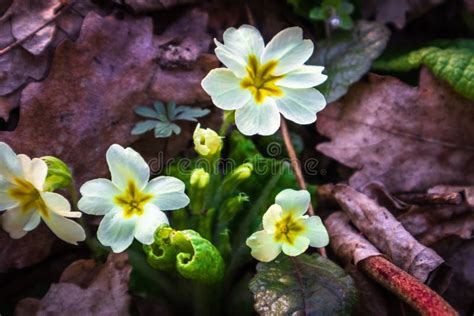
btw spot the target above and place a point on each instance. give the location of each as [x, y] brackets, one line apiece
[199, 178]
[59, 175]
[206, 141]
[240, 174]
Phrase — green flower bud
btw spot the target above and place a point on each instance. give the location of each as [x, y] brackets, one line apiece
[59, 175]
[207, 142]
[199, 178]
[231, 207]
[240, 174]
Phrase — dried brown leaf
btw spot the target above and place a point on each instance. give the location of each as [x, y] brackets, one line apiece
[386, 233]
[346, 241]
[27, 251]
[85, 288]
[141, 6]
[86, 102]
[409, 139]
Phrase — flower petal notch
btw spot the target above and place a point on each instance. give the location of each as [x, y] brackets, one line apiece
[133, 206]
[193, 256]
[25, 200]
[260, 82]
[287, 229]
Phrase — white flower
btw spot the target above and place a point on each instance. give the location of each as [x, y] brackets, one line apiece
[287, 229]
[132, 204]
[263, 81]
[22, 182]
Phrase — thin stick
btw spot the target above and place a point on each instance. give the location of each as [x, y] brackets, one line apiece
[21, 41]
[296, 166]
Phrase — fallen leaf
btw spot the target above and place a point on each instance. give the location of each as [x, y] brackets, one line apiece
[26, 251]
[86, 102]
[142, 6]
[397, 11]
[346, 241]
[85, 288]
[407, 138]
[380, 226]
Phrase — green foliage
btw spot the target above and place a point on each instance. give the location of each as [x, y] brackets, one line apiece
[336, 13]
[348, 56]
[192, 256]
[306, 285]
[161, 118]
[452, 61]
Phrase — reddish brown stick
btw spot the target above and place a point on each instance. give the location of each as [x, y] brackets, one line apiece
[419, 296]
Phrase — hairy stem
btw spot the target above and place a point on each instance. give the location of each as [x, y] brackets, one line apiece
[419, 296]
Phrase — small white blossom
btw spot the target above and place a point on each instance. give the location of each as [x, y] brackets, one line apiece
[260, 82]
[132, 204]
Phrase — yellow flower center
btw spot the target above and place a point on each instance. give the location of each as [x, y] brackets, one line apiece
[260, 79]
[132, 200]
[287, 229]
[28, 197]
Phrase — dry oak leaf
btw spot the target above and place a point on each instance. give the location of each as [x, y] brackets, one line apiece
[26, 251]
[407, 138]
[86, 102]
[85, 288]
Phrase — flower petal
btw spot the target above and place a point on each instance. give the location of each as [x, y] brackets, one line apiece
[58, 204]
[116, 231]
[97, 197]
[66, 229]
[262, 119]
[305, 76]
[296, 202]
[299, 246]
[14, 221]
[231, 61]
[127, 165]
[316, 232]
[34, 170]
[264, 248]
[244, 41]
[168, 193]
[224, 88]
[289, 49]
[34, 221]
[10, 165]
[271, 216]
[148, 223]
[301, 105]
[6, 202]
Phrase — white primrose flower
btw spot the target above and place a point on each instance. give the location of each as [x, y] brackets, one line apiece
[132, 204]
[22, 195]
[260, 82]
[287, 229]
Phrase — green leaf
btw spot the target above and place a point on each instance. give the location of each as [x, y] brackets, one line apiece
[171, 108]
[452, 61]
[146, 112]
[303, 285]
[191, 255]
[349, 56]
[159, 107]
[190, 114]
[143, 127]
[163, 129]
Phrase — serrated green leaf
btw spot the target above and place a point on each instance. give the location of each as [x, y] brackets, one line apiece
[146, 112]
[191, 255]
[163, 129]
[454, 64]
[306, 285]
[143, 127]
[190, 114]
[348, 57]
[159, 107]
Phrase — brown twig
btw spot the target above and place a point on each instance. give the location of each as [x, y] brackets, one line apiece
[22, 40]
[419, 296]
[452, 198]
